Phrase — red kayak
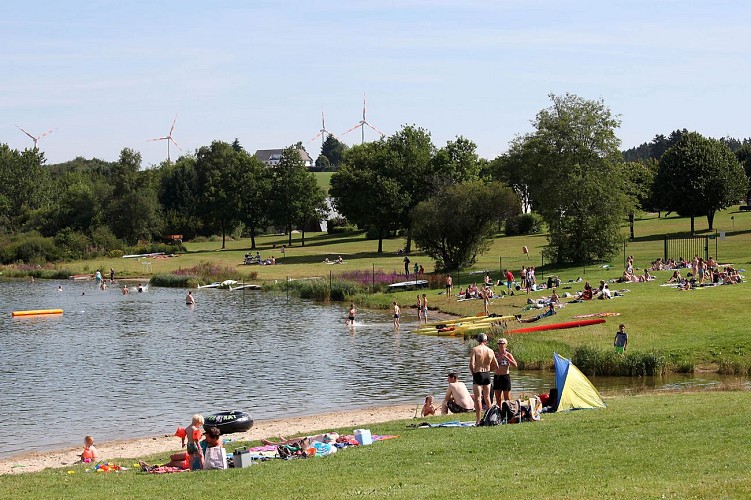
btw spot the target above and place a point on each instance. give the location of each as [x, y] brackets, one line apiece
[558, 326]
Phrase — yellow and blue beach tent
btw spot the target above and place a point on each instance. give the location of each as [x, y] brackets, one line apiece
[575, 391]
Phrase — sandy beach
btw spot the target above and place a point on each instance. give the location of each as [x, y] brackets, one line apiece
[142, 447]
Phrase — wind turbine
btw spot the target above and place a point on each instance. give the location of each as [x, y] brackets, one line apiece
[169, 139]
[35, 139]
[361, 124]
[323, 131]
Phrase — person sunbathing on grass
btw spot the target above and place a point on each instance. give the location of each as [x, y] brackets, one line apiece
[676, 278]
[328, 437]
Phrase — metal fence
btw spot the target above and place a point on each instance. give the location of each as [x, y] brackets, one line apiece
[687, 247]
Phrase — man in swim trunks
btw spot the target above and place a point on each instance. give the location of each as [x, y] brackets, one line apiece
[502, 379]
[189, 299]
[396, 315]
[482, 363]
[457, 399]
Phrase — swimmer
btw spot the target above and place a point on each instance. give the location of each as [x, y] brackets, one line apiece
[125, 290]
[189, 299]
[396, 315]
[60, 288]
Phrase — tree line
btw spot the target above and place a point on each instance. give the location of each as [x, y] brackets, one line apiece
[447, 201]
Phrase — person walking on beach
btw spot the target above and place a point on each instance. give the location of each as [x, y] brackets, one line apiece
[396, 315]
[621, 339]
[419, 308]
[482, 364]
[449, 286]
[425, 308]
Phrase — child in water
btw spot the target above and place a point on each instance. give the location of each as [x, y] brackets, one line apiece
[428, 408]
[90, 453]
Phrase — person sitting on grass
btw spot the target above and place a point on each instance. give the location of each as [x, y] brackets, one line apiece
[458, 398]
[428, 408]
[90, 453]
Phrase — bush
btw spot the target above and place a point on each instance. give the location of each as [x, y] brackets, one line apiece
[30, 248]
[155, 248]
[342, 229]
[174, 281]
[73, 243]
[523, 224]
[593, 361]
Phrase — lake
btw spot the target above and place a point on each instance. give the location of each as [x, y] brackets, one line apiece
[121, 366]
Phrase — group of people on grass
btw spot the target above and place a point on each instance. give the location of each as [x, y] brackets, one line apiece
[490, 370]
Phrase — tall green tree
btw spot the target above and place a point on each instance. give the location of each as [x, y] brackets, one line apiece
[131, 210]
[457, 161]
[254, 192]
[409, 161]
[457, 224]
[363, 193]
[298, 198]
[219, 180]
[24, 185]
[180, 197]
[574, 180]
[743, 154]
[699, 176]
[333, 150]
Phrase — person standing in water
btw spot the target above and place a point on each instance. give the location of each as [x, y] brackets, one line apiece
[396, 315]
[189, 299]
[351, 317]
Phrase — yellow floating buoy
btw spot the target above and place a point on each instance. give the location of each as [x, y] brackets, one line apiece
[37, 312]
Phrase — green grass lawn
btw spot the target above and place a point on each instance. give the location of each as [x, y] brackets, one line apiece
[651, 445]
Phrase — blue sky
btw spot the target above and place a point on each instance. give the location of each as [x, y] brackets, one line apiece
[112, 74]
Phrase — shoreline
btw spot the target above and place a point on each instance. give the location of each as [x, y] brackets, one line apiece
[139, 448]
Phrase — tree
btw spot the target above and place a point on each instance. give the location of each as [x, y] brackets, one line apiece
[333, 149]
[515, 169]
[180, 197]
[131, 210]
[298, 198]
[699, 176]
[638, 183]
[24, 184]
[570, 161]
[409, 162]
[361, 191]
[458, 161]
[743, 154]
[458, 223]
[217, 167]
[254, 190]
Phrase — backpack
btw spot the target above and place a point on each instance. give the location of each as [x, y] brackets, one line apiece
[511, 411]
[215, 458]
[492, 416]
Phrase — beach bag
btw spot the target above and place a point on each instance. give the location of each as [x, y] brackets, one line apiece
[215, 458]
[492, 416]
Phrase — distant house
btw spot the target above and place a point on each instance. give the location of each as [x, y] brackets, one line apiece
[271, 157]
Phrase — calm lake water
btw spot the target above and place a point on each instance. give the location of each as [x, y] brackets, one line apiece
[119, 366]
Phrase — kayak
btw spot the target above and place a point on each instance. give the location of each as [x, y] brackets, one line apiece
[558, 326]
